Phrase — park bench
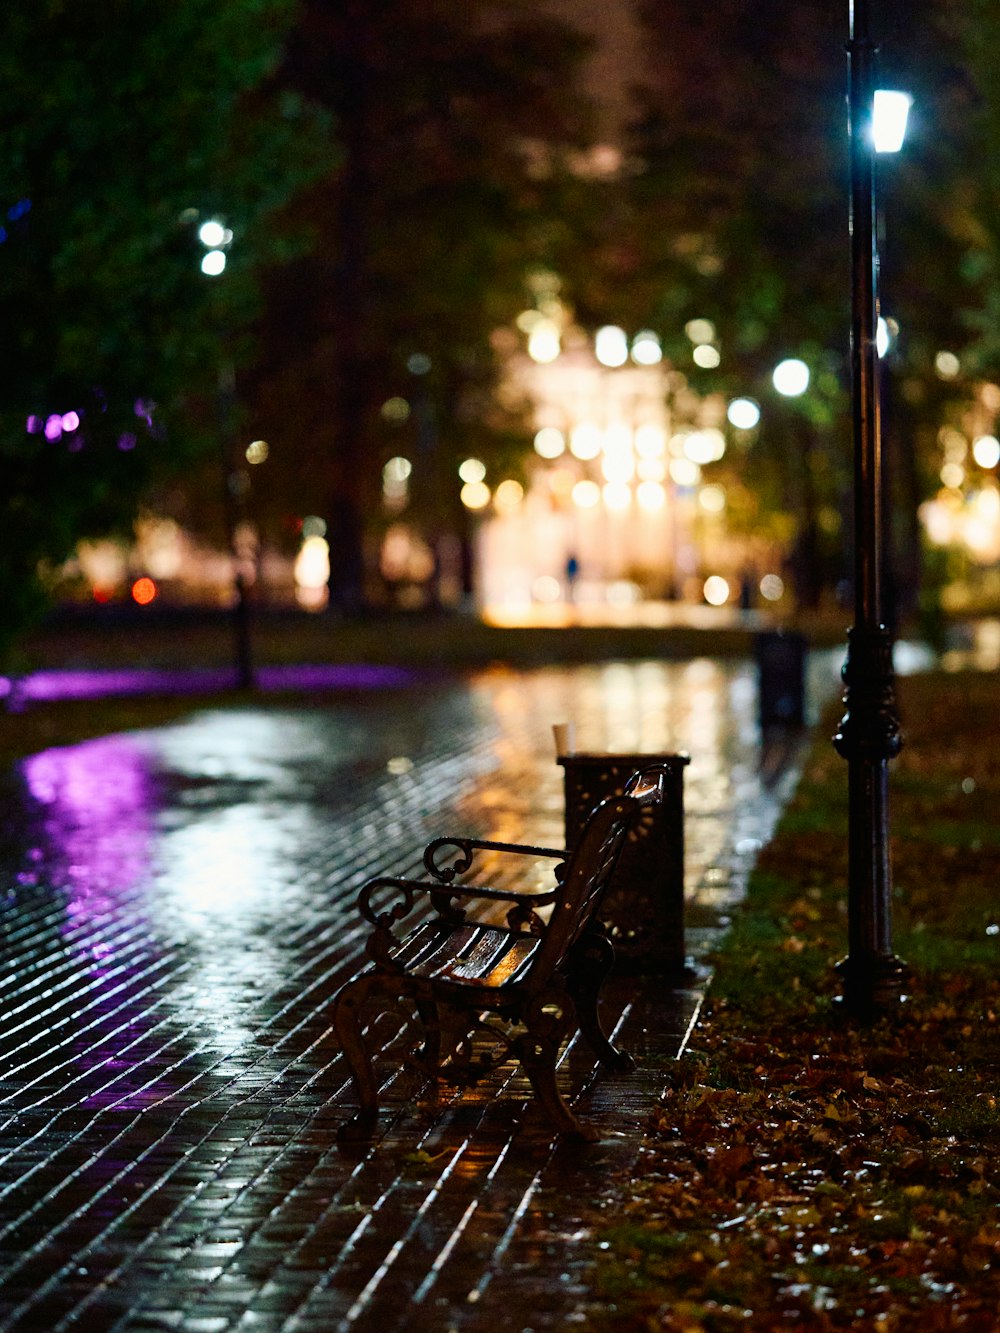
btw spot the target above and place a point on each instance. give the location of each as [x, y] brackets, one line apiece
[526, 985]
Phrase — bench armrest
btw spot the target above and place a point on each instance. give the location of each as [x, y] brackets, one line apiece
[461, 855]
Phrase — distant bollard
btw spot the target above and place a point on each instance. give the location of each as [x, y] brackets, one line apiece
[781, 678]
[645, 906]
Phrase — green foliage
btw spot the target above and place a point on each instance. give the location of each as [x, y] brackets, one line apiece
[120, 127]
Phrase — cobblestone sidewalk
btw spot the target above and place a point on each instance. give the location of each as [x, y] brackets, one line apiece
[177, 911]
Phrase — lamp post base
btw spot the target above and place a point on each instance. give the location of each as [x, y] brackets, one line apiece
[873, 986]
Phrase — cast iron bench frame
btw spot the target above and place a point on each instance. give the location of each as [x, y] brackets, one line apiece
[528, 985]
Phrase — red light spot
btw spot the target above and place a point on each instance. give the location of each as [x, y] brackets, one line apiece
[103, 594]
[143, 591]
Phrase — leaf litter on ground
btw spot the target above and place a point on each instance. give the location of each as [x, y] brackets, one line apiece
[805, 1173]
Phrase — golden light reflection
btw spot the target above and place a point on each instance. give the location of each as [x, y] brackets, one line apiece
[586, 494]
[651, 496]
[585, 441]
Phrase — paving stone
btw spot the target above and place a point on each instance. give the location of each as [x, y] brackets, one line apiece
[177, 913]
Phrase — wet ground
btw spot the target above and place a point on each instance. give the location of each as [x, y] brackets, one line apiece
[177, 910]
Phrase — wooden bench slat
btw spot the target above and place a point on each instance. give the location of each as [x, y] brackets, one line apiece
[497, 959]
[433, 945]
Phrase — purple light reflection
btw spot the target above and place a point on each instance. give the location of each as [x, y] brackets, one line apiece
[47, 686]
[100, 802]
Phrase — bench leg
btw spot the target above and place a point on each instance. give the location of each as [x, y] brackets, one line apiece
[548, 1018]
[538, 1060]
[429, 1054]
[347, 1025]
[592, 962]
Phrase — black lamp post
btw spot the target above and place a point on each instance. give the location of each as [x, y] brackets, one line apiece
[216, 239]
[868, 736]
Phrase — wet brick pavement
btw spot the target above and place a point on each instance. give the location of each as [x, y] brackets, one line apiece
[177, 909]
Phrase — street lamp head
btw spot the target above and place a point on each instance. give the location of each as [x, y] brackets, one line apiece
[890, 111]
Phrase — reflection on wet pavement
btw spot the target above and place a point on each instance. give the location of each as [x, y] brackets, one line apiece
[177, 910]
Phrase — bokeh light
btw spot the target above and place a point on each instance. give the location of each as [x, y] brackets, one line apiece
[543, 342]
[143, 591]
[549, 442]
[716, 590]
[646, 350]
[712, 499]
[508, 495]
[743, 413]
[212, 234]
[213, 263]
[585, 441]
[617, 496]
[611, 346]
[684, 472]
[651, 496]
[395, 411]
[947, 365]
[472, 469]
[700, 330]
[475, 495]
[986, 451]
[586, 494]
[772, 587]
[791, 377]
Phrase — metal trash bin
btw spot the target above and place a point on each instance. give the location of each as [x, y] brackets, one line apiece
[781, 678]
[644, 910]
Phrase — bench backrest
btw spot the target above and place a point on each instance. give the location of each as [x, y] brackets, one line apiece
[591, 867]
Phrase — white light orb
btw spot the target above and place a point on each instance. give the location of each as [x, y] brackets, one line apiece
[213, 263]
[716, 590]
[791, 377]
[611, 346]
[544, 343]
[585, 441]
[743, 413]
[650, 441]
[985, 450]
[706, 356]
[212, 234]
[617, 496]
[549, 442]
[646, 349]
[684, 472]
[473, 469]
[651, 496]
